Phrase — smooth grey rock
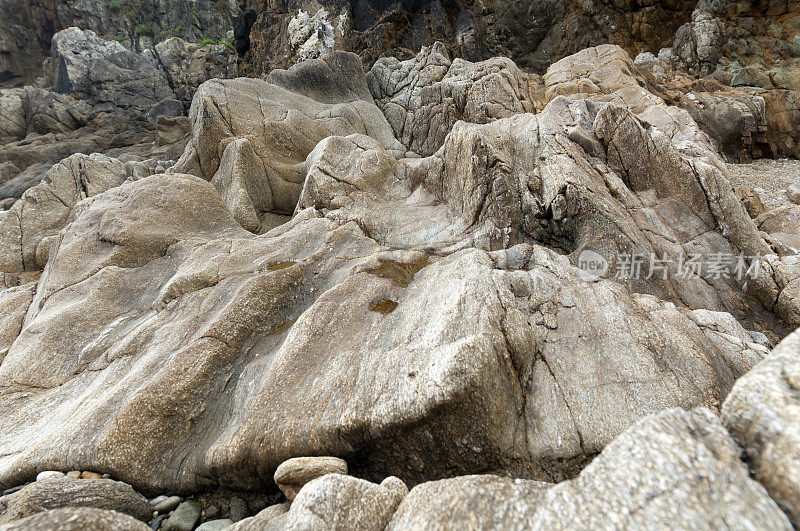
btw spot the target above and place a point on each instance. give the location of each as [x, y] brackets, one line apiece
[185, 517]
[167, 504]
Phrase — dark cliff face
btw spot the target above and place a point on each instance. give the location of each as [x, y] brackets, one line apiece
[27, 27]
[534, 34]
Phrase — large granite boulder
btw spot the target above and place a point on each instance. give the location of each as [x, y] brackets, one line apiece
[761, 413]
[675, 470]
[188, 328]
[48, 494]
[251, 137]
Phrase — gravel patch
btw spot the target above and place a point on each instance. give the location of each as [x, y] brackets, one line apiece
[769, 178]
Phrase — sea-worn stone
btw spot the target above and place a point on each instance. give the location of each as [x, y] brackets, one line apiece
[793, 193]
[166, 504]
[77, 519]
[677, 470]
[761, 413]
[335, 501]
[185, 517]
[49, 474]
[56, 493]
[30, 226]
[293, 473]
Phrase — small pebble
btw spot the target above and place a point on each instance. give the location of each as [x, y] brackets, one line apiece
[49, 474]
[158, 499]
[74, 474]
[165, 506]
[91, 475]
[185, 517]
[12, 490]
[156, 523]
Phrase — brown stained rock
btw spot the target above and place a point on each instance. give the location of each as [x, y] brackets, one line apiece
[56, 493]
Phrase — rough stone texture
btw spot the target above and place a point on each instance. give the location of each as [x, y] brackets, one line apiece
[188, 65]
[293, 473]
[57, 493]
[274, 35]
[761, 413]
[736, 123]
[12, 115]
[77, 519]
[424, 97]
[105, 74]
[676, 470]
[335, 501]
[303, 283]
[102, 98]
[470, 502]
[743, 43]
[14, 303]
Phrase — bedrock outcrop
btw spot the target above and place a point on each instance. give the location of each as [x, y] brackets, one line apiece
[384, 275]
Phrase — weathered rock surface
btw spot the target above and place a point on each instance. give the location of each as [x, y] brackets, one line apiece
[105, 74]
[57, 493]
[335, 501]
[251, 137]
[743, 43]
[274, 35]
[761, 413]
[77, 519]
[104, 98]
[382, 268]
[677, 470]
[31, 225]
[187, 65]
[424, 97]
[554, 391]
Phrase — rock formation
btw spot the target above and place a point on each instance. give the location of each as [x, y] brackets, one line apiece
[535, 299]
